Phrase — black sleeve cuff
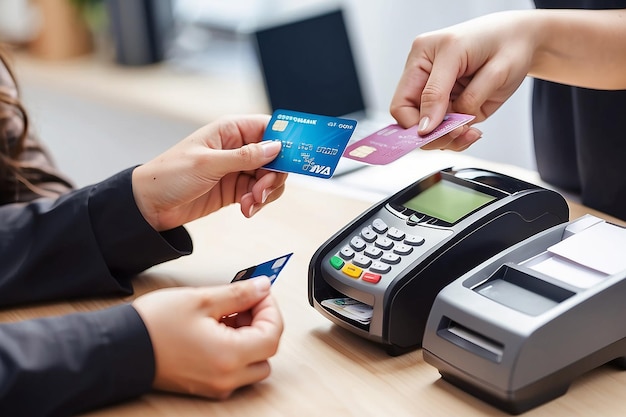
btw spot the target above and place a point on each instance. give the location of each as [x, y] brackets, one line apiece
[74, 363]
[129, 244]
[127, 360]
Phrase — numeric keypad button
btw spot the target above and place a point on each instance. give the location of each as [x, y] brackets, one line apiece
[395, 233]
[391, 258]
[357, 244]
[379, 226]
[346, 253]
[368, 234]
[380, 268]
[403, 249]
[362, 261]
[373, 252]
[384, 243]
[414, 240]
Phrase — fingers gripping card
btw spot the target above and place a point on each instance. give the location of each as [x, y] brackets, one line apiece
[312, 144]
[392, 142]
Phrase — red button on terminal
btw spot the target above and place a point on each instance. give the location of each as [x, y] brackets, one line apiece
[371, 277]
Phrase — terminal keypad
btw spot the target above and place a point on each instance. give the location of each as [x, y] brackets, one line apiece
[374, 251]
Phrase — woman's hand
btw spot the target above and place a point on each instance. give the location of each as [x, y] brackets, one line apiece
[218, 165]
[471, 68]
[201, 347]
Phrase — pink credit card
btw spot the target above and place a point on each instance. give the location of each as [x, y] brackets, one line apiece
[393, 141]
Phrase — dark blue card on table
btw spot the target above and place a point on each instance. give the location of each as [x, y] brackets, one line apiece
[270, 269]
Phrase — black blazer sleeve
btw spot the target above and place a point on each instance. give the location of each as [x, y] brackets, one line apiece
[88, 242]
[60, 366]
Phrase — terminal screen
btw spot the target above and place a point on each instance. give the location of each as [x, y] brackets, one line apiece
[448, 201]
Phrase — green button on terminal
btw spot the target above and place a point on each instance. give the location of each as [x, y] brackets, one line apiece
[336, 262]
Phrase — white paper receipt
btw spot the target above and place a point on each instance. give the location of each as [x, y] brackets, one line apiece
[599, 247]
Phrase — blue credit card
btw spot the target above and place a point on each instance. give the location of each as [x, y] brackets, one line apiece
[312, 144]
[270, 269]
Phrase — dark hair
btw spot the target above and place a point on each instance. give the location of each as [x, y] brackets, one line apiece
[12, 138]
[26, 171]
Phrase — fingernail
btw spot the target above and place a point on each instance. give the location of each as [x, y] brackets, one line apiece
[423, 125]
[266, 193]
[254, 209]
[262, 284]
[271, 147]
[455, 133]
[473, 135]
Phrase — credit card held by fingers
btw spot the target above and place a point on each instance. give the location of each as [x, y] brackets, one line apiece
[270, 269]
[312, 144]
[393, 142]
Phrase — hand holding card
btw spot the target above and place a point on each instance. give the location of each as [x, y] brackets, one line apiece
[393, 141]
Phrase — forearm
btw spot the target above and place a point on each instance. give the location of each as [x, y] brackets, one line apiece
[585, 48]
[64, 365]
[90, 241]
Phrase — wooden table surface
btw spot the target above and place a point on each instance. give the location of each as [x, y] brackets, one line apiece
[319, 369]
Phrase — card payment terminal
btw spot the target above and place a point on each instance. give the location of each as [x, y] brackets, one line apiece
[517, 329]
[396, 256]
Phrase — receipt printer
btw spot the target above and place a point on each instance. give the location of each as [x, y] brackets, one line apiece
[395, 257]
[518, 328]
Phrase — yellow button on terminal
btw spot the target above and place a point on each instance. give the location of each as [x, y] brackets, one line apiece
[352, 271]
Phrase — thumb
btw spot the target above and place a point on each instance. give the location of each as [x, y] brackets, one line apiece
[237, 297]
[246, 158]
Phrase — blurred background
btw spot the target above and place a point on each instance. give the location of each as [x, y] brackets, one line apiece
[111, 83]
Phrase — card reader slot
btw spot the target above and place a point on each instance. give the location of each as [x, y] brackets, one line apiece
[348, 320]
[326, 292]
[470, 340]
[514, 287]
[345, 308]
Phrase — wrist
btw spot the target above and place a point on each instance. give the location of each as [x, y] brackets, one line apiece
[149, 214]
[543, 27]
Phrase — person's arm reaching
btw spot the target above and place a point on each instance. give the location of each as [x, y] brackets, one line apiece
[583, 48]
[475, 66]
